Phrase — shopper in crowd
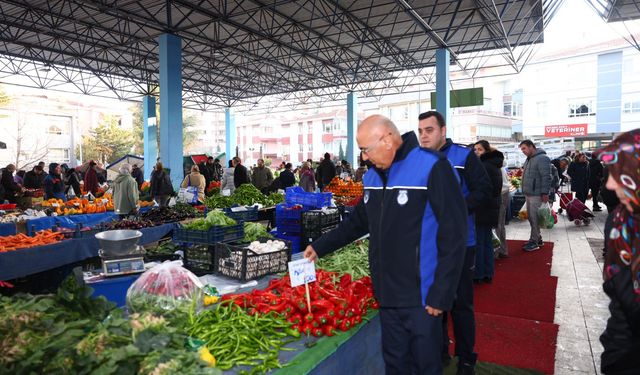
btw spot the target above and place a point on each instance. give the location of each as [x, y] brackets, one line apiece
[287, 178]
[476, 189]
[307, 178]
[347, 170]
[125, 192]
[424, 217]
[43, 168]
[195, 178]
[138, 175]
[34, 179]
[555, 184]
[561, 165]
[262, 176]
[326, 171]
[227, 178]
[91, 179]
[72, 181]
[11, 188]
[609, 197]
[487, 216]
[505, 209]
[208, 170]
[161, 187]
[621, 338]
[240, 173]
[54, 183]
[362, 169]
[217, 170]
[536, 184]
[579, 173]
[596, 174]
[19, 177]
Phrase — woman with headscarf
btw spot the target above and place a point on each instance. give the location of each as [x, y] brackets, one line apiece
[54, 184]
[91, 179]
[307, 178]
[621, 338]
[125, 192]
[195, 178]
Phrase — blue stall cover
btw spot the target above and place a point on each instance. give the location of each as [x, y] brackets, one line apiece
[71, 221]
[8, 229]
[24, 262]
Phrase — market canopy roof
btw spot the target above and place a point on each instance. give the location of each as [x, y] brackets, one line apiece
[617, 10]
[237, 51]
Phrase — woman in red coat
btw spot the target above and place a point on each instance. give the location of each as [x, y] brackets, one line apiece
[91, 179]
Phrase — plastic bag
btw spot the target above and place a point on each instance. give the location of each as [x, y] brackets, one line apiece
[522, 214]
[164, 288]
[495, 240]
[545, 216]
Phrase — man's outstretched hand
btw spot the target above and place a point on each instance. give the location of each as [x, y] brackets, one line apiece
[310, 254]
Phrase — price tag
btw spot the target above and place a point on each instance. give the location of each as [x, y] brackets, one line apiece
[301, 271]
[226, 192]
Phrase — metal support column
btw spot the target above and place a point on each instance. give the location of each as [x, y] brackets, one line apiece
[442, 84]
[352, 123]
[230, 133]
[150, 134]
[171, 105]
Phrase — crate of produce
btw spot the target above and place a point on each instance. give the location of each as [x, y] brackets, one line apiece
[199, 259]
[163, 251]
[8, 206]
[294, 238]
[289, 225]
[250, 261]
[286, 211]
[211, 236]
[297, 195]
[308, 237]
[246, 214]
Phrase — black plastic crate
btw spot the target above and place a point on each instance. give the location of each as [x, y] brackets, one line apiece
[314, 223]
[250, 214]
[199, 259]
[308, 237]
[238, 262]
[210, 237]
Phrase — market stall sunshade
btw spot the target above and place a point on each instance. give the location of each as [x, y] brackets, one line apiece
[112, 169]
[237, 51]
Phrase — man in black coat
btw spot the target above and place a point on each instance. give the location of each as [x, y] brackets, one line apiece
[137, 175]
[208, 170]
[596, 173]
[240, 173]
[326, 171]
[34, 179]
[287, 179]
[11, 189]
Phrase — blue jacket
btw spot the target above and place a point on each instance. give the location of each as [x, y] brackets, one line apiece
[54, 187]
[414, 212]
[476, 185]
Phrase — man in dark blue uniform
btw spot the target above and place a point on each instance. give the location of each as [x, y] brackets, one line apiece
[476, 188]
[413, 209]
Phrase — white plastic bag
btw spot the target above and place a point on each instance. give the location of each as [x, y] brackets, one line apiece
[165, 287]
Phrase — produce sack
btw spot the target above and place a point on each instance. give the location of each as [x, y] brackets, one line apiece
[188, 195]
[164, 288]
[545, 216]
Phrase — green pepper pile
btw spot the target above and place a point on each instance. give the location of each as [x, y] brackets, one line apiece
[352, 259]
[244, 195]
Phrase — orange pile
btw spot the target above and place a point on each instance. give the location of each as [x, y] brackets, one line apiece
[339, 187]
[77, 206]
[22, 241]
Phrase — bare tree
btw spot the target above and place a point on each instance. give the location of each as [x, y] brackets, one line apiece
[28, 154]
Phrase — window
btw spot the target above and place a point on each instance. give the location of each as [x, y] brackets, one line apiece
[310, 126]
[300, 128]
[310, 147]
[631, 107]
[507, 109]
[301, 147]
[542, 109]
[582, 107]
[54, 130]
[59, 155]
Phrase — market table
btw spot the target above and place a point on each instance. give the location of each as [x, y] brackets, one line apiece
[24, 262]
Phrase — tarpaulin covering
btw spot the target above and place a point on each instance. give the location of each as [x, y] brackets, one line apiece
[71, 221]
[7, 229]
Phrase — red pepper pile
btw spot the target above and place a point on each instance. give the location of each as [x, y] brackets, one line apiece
[337, 302]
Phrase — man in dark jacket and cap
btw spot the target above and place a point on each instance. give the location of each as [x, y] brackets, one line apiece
[137, 175]
[34, 178]
[54, 184]
[326, 171]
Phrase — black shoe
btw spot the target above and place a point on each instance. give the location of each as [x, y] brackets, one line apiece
[541, 243]
[446, 360]
[488, 280]
[465, 369]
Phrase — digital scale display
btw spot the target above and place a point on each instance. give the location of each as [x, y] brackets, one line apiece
[123, 266]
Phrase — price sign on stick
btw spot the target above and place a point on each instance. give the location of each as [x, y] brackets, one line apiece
[301, 271]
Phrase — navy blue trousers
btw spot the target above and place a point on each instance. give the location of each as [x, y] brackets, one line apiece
[411, 341]
[464, 322]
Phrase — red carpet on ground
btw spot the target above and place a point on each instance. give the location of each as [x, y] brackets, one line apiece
[514, 314]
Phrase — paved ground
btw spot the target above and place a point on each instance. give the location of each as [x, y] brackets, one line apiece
[581, 305]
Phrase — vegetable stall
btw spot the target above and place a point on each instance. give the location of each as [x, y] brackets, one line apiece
[169, 317]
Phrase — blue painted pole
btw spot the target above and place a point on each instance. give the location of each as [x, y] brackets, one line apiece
[352, 123]
[171, 105]
[442, 83]
[149, 134]
[230, 133]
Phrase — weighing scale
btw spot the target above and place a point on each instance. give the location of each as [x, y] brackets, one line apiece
[120, 252]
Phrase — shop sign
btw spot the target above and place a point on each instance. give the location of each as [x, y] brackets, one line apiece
[565, 130]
